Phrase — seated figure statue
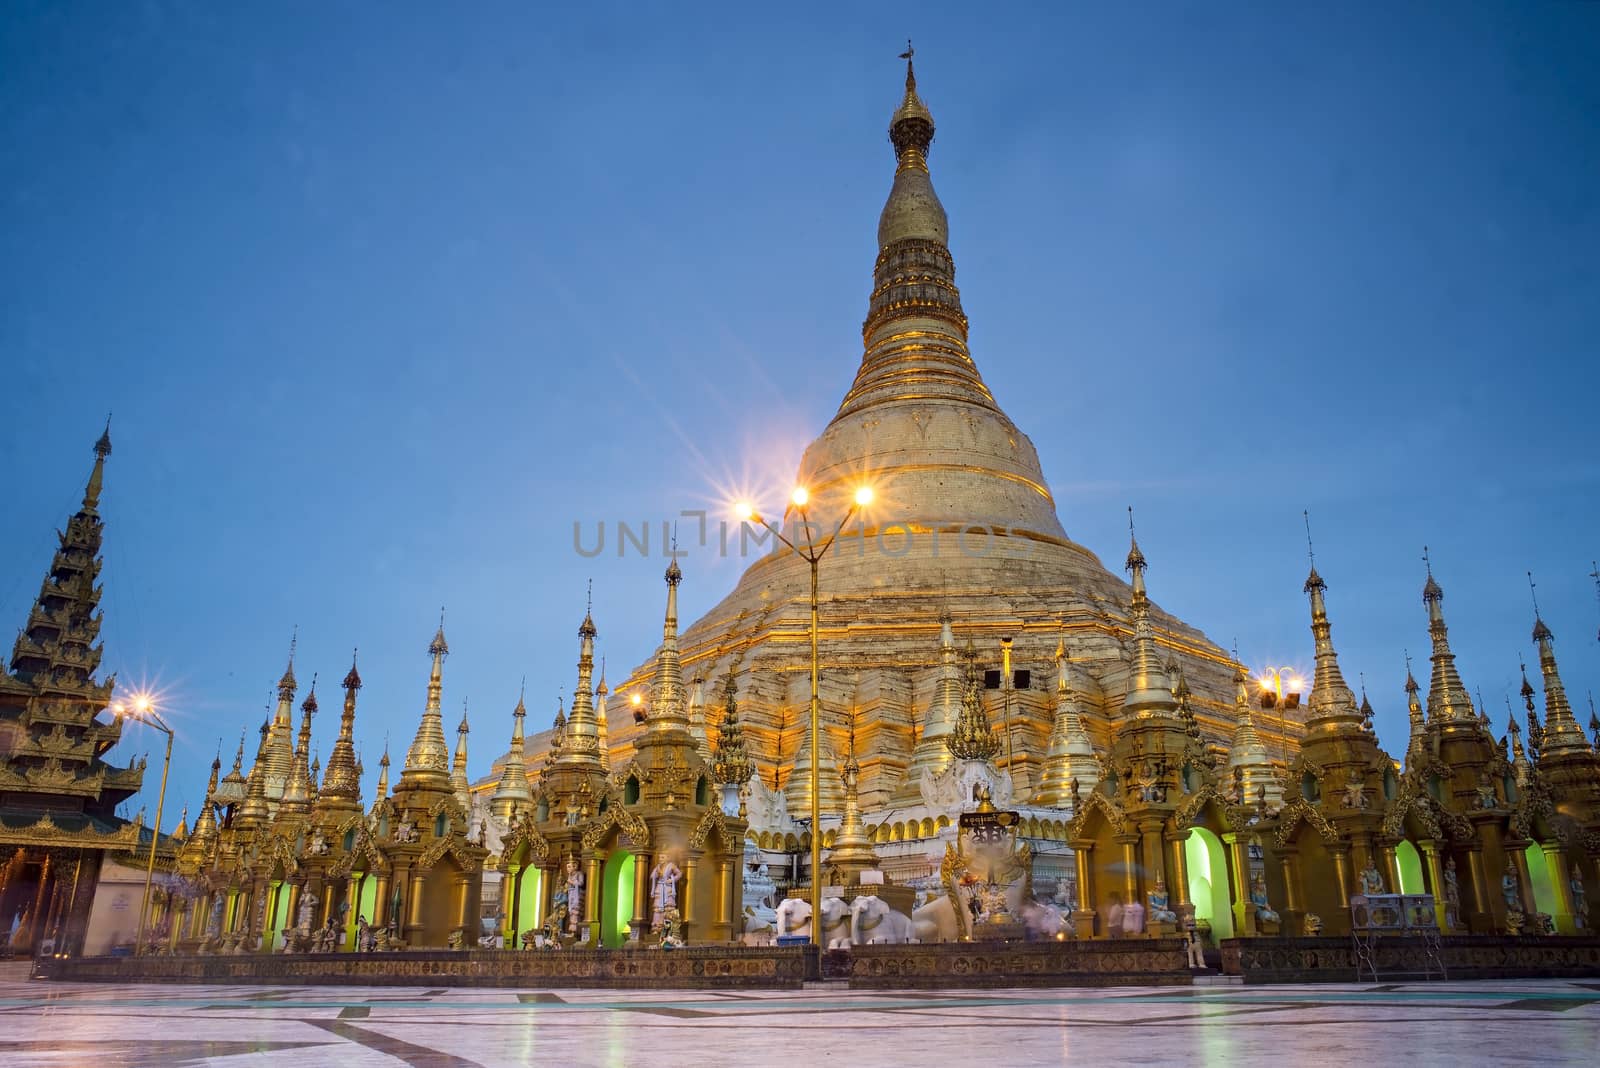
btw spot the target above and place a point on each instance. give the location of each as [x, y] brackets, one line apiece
[1160, 909]
[1258, 901]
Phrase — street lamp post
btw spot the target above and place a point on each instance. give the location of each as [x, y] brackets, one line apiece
[144, 711]
[812, 554]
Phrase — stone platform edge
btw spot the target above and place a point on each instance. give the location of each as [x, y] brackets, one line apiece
[1333, 960]
[689, 968]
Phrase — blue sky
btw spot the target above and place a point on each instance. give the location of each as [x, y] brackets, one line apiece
[384, 298]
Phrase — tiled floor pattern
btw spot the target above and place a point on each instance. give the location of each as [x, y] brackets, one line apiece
[172, 1026]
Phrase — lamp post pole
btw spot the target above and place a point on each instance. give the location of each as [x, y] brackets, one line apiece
[813, 554]
[147, 715]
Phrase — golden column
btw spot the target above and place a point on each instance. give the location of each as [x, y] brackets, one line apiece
[1430, 859]
[591, 899]
[640, 923]
[1179, 841]
[1083, 918]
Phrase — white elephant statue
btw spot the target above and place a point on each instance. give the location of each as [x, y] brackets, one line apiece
[794, 918]
[760, 925]
[872, 920]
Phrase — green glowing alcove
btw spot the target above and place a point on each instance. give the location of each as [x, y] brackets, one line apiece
[1409, 861]
[1208, 881]
[616, 898]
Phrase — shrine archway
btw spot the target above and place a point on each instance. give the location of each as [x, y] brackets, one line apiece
[616, 898]
[1208, 881]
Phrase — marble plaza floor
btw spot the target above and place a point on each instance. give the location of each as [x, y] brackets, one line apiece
[1504, 1023]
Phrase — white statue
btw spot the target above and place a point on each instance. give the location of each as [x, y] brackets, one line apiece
[872, 920]
[574, 896]
[1132, 918]
[663, 889]
[760, 925]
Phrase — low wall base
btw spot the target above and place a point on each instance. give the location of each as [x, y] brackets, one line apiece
[1333, 960]
[1112, 962]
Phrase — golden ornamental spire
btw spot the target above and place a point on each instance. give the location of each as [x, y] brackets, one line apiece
[1417, 745]
[254, 808]
[1248, 760]
[279, 764]
[601, 692]
[1449, 704]
[973, 737]
[428, 755]
[459, 783]
[297, 792]
[581, 741]
[852, 850]
[1331, 700]
[513, 789]
[1562, 735]
[343, 780]
[1070, 764]
[666, 689]
[383, 777]
[1149, 688]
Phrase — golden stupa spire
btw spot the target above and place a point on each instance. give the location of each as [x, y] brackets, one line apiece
[254, 807]
[1248, 760]
[581, 741]
[697, 717]
[383, 776]
[280, 738]
[343, 780]
[1070, 756]
[429, 756]
[513, 790]
[459, 784]
[852, 850]
[297, 792]
[666, 689]
[205, 825]
[1562, 735]
[1331, 700]
[1449, 704]
[1417, 745]
[1149, 688]
[601, 692]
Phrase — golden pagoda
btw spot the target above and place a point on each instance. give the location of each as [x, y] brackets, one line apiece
[963, 536]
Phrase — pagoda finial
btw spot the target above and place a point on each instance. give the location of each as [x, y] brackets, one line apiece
[102, 449]
[428, 753]
[287, 684]
[1595, 574]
